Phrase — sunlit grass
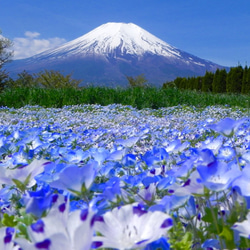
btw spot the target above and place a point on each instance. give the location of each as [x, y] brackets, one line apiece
[140, 98]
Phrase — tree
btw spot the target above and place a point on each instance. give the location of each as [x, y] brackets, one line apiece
[219, 81]
[177, 82]
[207, 80]
[198, 82]
[234, 80]
[245, 88]
[138, 81]
[24, 80]
[54, 79]
[5, 56]
[192, 83]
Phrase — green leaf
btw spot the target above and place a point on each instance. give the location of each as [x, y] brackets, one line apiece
[9, 220]
[22, 186]
[228, 235]
[22, 230]
[26, 219]
[19, 185]
[27, 180]
[208, 217]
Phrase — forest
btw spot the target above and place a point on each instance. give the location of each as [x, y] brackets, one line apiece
[236, 80]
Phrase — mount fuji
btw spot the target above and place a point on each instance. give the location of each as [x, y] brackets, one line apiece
[112, 51]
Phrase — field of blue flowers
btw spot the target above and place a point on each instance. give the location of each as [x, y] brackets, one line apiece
[115, 177]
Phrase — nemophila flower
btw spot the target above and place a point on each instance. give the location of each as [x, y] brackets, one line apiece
[61, 229]
[5, 196]
[129, 160]
[127, 142]
[212, 244]
[20, 157]
[30, 138]
[206, 156]
[213, 144]
[189, 210]
[190, 186]
[165, 182]
[72, 178]
[170, 202]
[117, 155]
[75, 156]
[147, 194]
[226, 153]
[108, 169]
[161, 244]
[110, 189]
[7, 148]
[246, 157]
[36, 202]
[242, 183]
[99, 154]
[243, 228]
[7, 235]
[217, 175]
[24, 174]
[182, 168]
[155, 156]
[131, 227]
[227, 126]
[176, 146]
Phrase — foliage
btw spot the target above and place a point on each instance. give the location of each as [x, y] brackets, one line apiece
[137, 81]
[148, 97]
[55, 79]
[237, 80]
[207, 81]
[219, 81]
[246, 81]
[5, 56]
[234, 80]
[24, 80]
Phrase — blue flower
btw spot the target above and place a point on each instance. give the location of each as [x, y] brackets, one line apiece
[61, 229]
[24, 173]
[227, 126]
[128, 228]
[7, 235]
[226, 153]
[211, 244]
[243, 228]
[242, 183]
[38, 201]
[161, 244]
[217, 175]
[72, 178]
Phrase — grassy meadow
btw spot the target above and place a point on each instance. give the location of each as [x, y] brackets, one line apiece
[138, 97]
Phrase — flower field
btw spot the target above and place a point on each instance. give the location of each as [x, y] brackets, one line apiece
[115, 177]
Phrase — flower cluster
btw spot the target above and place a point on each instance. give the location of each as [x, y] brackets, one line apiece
[87, 177]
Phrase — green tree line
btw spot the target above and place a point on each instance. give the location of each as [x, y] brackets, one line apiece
[236, 80]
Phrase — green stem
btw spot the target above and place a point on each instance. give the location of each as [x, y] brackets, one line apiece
[216, 223]
[237, 159]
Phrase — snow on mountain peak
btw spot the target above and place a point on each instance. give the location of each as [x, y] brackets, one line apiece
[112, 38]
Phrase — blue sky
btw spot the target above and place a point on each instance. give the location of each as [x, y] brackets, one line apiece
[216, 30]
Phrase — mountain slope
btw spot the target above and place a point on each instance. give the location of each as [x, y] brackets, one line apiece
[108, 53]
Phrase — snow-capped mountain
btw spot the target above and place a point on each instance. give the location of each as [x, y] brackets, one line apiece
[108, 53]
[113, 39]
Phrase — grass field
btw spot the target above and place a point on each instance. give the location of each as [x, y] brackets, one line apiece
[136, 97]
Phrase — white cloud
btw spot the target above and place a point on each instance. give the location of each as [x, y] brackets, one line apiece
[31, 44]
[31, 34]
